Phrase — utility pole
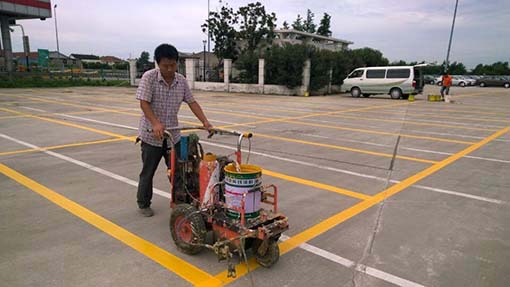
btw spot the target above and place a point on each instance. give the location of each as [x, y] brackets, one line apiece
[56, 33]
[451, 36]
[208, 33]
[204, 41]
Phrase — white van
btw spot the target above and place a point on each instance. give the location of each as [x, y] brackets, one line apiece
[397, 81]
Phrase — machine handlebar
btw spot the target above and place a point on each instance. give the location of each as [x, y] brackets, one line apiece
[212, 131]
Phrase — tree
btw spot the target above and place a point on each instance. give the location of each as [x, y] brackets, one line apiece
[257, 27]
[143, 62]
[222, 29]
[285, 25]
[324, 26]
[298, 24]
[308, 25]
[498, 68]
[457, 69]
[247, 29]
[368, 57]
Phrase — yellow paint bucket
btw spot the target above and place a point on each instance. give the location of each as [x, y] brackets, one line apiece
[411, 98]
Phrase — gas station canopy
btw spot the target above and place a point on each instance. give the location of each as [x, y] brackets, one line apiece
[25, 9]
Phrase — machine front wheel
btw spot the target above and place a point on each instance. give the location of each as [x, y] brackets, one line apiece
[268, 257]
[188, 229]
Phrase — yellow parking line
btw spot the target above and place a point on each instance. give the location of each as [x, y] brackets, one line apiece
[295, 179]
[345, 148]
[60, 146]
[439, 116]
[463, 111]
[12, 117]
[265, 120]
[288, 120]
[69, 124]
[185, 270]
[317, 185]
[281, 119]
[382, 133]
[445, 125]
[356, 209]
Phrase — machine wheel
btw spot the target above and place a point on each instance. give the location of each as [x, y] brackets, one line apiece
[482, 84]
[187, 228]
[395, 93]
[462, 84]
[271, 254]
[506, 85]
[355, 92]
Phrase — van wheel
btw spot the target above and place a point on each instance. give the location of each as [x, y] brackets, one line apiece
[355, 92]
[366, 95]
[395, 93]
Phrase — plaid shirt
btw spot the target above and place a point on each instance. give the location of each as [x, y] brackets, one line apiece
[165, 102]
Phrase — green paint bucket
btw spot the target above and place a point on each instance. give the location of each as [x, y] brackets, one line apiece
[239, 184]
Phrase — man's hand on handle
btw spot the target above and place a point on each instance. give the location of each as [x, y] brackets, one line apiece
[158, 130]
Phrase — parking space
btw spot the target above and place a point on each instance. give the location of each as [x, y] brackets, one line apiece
[378, 192]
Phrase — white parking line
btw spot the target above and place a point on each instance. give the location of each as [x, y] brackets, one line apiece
[361, 268]
[84, 164]
[480, 198]
[358, 267]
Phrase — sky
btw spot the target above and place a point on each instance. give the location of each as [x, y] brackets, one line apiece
[416, 30]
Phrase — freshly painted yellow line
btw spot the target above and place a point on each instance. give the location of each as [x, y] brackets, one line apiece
[265, 120]
[288, 120]
[185, 270]
[68, 124]
[295, 179]
[51, 114]
[445, 125]
[12, 117]
[382, 133]
[345, 148]
[439, 116]
[458, 110]
[60, 146]
[317, 185]
[356, 209]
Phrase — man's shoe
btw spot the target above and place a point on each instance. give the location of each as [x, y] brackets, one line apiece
[147, 212]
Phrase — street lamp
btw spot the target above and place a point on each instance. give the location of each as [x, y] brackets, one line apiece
[451, 36]
[208, 33]
[56, 33]
[26, 47]
[204, 41]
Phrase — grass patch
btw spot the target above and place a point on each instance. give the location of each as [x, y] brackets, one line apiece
[39, 82]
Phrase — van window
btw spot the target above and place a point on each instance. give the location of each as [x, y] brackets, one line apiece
[398, 73]
[356, 74]
[376, 74]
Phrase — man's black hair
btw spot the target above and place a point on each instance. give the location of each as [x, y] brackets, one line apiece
[166, 51]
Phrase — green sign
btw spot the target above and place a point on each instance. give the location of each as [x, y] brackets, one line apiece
[43, 57]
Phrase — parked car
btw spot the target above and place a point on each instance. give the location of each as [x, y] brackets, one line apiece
[429, 79]
[465, 79]
[495, 81]
[397, 81]
[456, 81]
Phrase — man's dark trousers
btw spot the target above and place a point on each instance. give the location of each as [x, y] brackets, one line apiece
[151, 156]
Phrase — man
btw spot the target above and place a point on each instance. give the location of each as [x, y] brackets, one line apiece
[161, 92]
[446, 82]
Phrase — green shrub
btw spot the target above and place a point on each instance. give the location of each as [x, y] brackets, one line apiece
[284, 65]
